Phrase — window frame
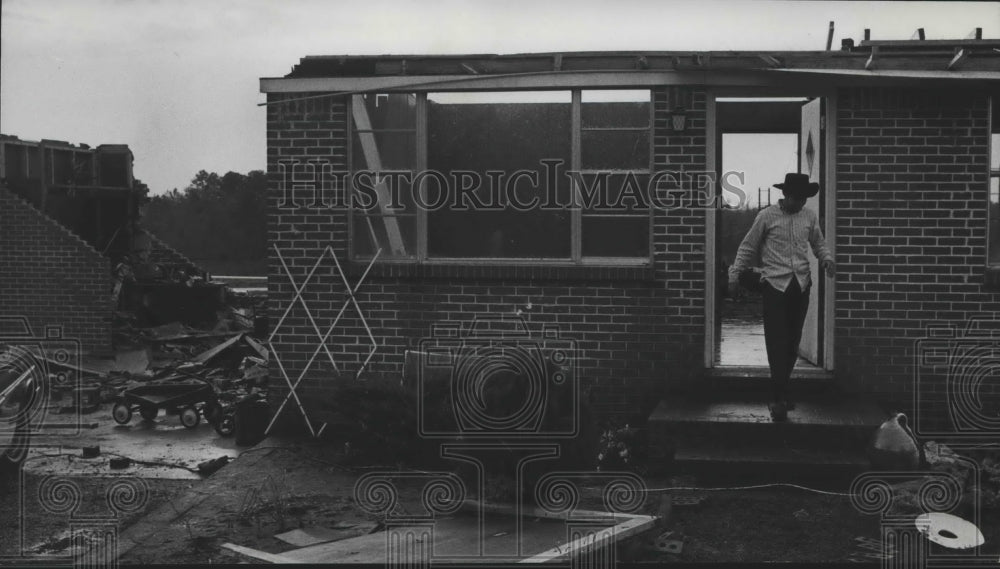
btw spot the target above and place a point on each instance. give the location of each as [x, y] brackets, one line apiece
[576, 257]
[992, 173]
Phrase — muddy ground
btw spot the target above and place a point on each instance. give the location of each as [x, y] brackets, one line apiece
[181, 517]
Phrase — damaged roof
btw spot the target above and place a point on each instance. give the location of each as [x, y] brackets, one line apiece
[976, 56]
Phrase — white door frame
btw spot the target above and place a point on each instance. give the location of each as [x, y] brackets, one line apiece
[829, 204]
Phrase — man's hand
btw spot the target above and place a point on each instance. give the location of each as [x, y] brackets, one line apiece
[734, 289]
[830, 267]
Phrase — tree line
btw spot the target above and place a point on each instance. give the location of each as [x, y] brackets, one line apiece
[219, 222]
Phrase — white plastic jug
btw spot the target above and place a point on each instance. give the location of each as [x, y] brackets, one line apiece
[893, 447]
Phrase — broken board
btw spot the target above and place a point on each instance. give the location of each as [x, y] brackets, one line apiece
[460, 539]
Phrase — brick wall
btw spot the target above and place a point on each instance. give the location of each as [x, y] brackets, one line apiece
[636, 332]
[52, 277]
[164, 255]
[911, 235]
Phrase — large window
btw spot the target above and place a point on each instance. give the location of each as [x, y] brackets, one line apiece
[993, 217]
[517, 176]
[499, 143]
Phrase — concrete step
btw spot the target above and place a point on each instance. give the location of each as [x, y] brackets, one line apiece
[774, 462]
[756, 379]
[828, 430]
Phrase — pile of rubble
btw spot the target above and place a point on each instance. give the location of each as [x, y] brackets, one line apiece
[229, 356]
[974, 473]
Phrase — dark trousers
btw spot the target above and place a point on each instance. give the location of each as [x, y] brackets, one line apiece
[784, 314]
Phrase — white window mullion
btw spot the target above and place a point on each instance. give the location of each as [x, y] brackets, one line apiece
[576, 212]
[421, 165]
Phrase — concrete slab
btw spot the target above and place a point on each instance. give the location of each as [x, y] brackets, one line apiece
[164, 441]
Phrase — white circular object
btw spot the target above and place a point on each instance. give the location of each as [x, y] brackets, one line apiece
[949, 531]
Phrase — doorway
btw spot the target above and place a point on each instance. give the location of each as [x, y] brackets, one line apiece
[757, 141]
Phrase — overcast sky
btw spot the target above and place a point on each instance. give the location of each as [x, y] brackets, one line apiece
[177, 80]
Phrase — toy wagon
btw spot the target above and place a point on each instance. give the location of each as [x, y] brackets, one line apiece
[191, 400]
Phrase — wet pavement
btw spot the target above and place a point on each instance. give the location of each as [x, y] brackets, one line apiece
[170, 450]
[742, 344]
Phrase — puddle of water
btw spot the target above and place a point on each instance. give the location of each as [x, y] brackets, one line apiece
[164, 441]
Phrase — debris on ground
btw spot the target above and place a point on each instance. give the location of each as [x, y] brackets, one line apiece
[949, 531]
[209, 466]
[215, 340]
[311, 535]
[669, 542]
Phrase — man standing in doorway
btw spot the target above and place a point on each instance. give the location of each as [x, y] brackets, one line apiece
[780, 235]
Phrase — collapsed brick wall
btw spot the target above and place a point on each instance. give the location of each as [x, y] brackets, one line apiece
[637, 332]
[51, 277]
[164, 255]
[912, 177]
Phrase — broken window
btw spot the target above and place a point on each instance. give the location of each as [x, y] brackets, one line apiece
[383, 147]
[993, 217]
[492, 175]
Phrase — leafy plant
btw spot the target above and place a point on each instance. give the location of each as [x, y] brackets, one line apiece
[621, 448]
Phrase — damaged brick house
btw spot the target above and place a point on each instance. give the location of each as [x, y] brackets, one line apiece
[68, 215]
[904, 137]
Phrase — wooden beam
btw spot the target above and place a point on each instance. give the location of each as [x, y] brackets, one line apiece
[557, 62]
[829, 37]
[259, 555]
[43, 174]
[770, 60]
[960, 56]
[976, 34]
[609, 536]
[870, 64]
[868, 34]
[918, 35]
[342, 86]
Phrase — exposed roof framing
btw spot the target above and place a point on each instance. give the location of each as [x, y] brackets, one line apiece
[977, 55]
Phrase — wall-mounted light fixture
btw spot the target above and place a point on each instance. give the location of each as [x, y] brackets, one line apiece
[678, 118]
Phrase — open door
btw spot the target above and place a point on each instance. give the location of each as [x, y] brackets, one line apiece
[811, 163]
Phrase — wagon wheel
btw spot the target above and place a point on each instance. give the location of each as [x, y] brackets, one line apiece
[212, 411]
[226, 425]
[190, 417]
[148, 412]
[121, 413]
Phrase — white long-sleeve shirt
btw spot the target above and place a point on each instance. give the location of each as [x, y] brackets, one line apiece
[781, 239]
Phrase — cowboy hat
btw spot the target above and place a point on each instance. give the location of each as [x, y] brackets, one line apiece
[798, 185]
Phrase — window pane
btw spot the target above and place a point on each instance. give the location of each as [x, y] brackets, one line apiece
[396, 235]
[490, 137]
[615, 150]
[616, 236]
[994, 222]
[385, 110]
[615, 108]
[378, 151]
[617, 193]
[500, 234]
